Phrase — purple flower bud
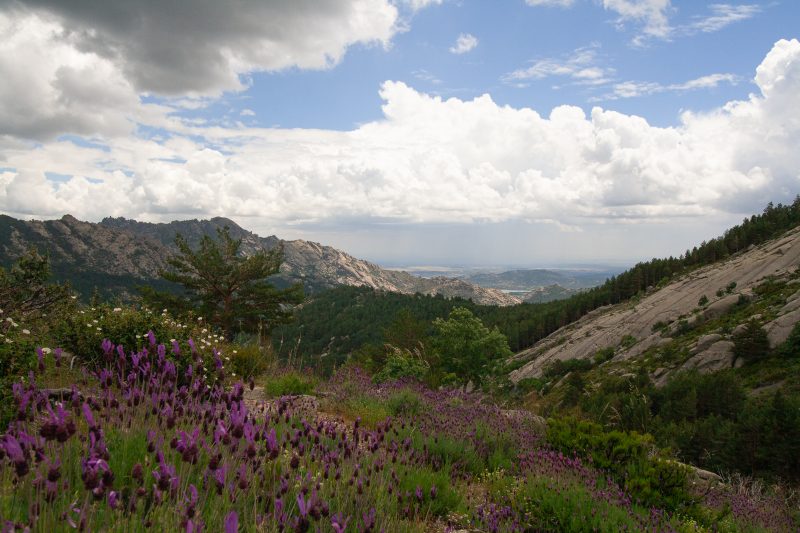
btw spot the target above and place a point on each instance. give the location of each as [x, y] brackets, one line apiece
[232, 522]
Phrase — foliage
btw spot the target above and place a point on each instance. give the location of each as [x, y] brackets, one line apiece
[630, 458]
[467, 348]
[702, 301]
[405, 403]
[752, 343]
[603, 354]
[251, 360]
[402, 364]
[289, 382]
[225, 286]
[560, 368]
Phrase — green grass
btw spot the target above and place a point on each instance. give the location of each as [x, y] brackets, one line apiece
[289, 383]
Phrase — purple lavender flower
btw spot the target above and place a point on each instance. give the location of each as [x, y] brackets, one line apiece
[339, 523]
[232, 522]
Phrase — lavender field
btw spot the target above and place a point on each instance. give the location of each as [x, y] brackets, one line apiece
[164, 437]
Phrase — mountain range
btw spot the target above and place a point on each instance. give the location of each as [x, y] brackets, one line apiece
[118, 254]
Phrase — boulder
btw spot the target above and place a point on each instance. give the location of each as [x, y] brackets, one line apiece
[705, 341]
[779, 329]
[718, 356]
[721, 306]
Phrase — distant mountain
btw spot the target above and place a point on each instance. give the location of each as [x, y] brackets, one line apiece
[118, 254]
[524, 280]
[548, 293]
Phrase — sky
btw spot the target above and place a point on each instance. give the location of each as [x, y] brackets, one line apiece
[408, 132]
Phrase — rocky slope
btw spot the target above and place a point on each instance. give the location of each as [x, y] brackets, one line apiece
[652, 320]
[118, 254]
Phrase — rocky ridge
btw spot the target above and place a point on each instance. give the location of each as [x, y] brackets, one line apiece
[651, 320]
[121, 253]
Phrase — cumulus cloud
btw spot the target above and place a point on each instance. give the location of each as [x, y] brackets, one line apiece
[204, 48]
[431, 160]
[464, 44]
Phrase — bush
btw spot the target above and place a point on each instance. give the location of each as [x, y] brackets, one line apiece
[659, 326]
[627, 341]
[251, 360]
[436, 494]
[402, 364]
[82, 332]
[702, 301]
[404, 403]
[559, 368]
[604, 354]
[751, 344]
[289, 383]
[630, 458]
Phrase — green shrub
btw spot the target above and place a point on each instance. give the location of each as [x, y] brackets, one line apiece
[559, 368]
[528, 384]
[405, 403]
[251, 360]
[702, 301]
[627, 341]
[751, 344]
[659, 326]
[440, 502]
[730, 286]
[289, 383]
[604, 354]
[82, 332]
[791, 348]
[630, 458]
[402, 365]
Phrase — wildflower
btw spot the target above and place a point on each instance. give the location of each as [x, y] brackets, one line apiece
[26, 331]
[232, 522]
[117, 309]
[339, 523]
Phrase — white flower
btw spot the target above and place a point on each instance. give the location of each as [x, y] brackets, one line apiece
[1, 311]
[45, 350]
[94, 321]
[235, 351]
[117, 309]
[26, 331]
[199, 318]
[172, 340]
[73, 297]
[163, 310]
[227, 358]
[9, 341]
[204, 330]
[138, 336]
[98, 329]
[233, 374]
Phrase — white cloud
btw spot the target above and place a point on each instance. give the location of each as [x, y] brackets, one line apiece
[416, 5]
[550, 3]
[653, 15]
[247, 113]
[634, 89]
[438, 160]
[581, 66]
[464, 44]
[723, 15]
